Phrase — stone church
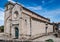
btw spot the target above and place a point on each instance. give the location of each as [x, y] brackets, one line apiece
[24, 24]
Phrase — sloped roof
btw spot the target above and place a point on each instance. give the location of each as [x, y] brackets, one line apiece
[26, 9]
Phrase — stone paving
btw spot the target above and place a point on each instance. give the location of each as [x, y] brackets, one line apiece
[55, 39]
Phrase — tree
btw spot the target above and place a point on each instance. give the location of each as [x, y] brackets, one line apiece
[2, 28]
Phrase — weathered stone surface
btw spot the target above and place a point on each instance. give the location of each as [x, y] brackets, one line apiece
[27, 22]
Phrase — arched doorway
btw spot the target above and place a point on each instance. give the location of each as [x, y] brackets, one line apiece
[16, 32]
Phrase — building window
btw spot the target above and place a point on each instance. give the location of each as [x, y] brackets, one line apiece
[16, 14]
[25, 21]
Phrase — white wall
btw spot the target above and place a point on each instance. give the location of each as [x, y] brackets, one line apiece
[37, 27]
[7, 30]
[26, 24]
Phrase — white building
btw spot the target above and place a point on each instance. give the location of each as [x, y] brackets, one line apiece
[22, 23]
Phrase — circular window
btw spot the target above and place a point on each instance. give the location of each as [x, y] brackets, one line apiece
[16, 14]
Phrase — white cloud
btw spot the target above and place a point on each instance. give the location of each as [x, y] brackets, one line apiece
[54, 15]
[1, 16]
[15, 2]
[43, 2]
[12, 1]
[35, 8]
[9, 0]
[49, 2]
[53, 12]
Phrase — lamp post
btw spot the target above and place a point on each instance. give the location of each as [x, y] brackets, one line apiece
[46, 28]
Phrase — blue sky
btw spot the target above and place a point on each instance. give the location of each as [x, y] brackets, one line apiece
[47, 8]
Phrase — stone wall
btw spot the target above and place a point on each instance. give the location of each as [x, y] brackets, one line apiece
[50, 28]
[38, 27]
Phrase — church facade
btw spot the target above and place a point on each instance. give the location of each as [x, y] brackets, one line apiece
[24, 24]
